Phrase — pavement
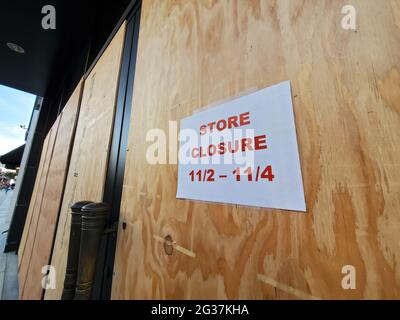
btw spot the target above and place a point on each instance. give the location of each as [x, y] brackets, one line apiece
[8, 261]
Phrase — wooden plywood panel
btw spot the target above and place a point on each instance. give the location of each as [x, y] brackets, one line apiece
[51, 197]
[89, 157]
[36, 187]
[35, 207]
[346, 102]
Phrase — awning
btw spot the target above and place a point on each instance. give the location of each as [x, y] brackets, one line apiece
[13, 158]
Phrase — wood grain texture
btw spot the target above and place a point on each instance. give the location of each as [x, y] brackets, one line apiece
[28, 220]
[34, 198]
[346, 100]
[44, 231]
[87, 171]
[35, 208]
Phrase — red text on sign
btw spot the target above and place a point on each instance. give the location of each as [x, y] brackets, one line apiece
[230, 123]
[242, 145]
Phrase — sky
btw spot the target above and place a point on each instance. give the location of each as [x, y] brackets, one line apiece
[15, 110]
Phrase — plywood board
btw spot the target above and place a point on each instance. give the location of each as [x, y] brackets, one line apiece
[34, 197]
[35, 207]
[51, 197]
[346, 101]
[90, 153]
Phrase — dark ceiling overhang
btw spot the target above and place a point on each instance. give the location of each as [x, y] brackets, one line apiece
[82, 27]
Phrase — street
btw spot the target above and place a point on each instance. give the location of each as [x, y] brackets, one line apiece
[8, 261]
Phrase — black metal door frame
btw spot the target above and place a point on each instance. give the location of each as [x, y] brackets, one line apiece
[116, 163]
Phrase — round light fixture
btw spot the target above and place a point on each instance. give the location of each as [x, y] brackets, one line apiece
[16, 48]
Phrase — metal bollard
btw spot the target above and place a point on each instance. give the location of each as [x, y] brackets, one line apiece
[73, 250]
[94, 218]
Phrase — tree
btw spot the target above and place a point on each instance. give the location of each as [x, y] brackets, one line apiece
[10, 175]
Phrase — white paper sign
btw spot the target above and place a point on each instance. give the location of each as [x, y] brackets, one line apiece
[243, 152]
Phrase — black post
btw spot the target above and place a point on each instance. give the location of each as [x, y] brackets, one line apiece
[94, 217]
[73, 250]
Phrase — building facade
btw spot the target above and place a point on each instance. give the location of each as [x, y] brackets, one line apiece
[163, 61]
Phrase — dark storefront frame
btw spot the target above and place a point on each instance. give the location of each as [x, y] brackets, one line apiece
[52, 105]
[116, 164]
[84, 43]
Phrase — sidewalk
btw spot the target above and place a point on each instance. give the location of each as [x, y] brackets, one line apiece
[8, 261]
